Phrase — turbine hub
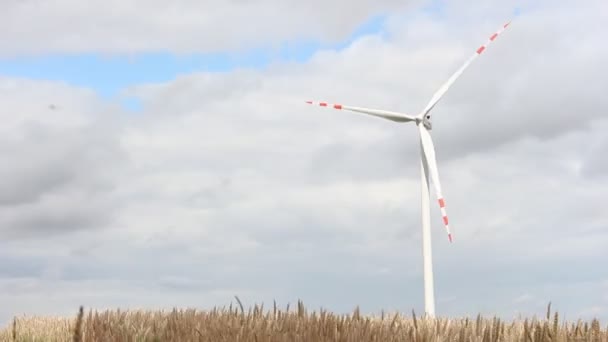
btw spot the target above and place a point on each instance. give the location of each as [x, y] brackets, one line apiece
[427, 122]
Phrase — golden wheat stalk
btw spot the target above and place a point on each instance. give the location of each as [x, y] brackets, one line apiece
[258, 324]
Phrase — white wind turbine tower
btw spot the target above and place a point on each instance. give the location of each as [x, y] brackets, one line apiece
[428, 164]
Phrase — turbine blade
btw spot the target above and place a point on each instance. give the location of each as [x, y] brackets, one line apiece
[393, 116]
[444, 88]
[429, 155]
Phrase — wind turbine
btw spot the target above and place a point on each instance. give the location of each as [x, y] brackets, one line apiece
[428, 164]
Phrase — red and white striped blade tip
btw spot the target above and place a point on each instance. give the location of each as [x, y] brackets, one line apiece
[325, 104]
[492, 38]
[444, 215]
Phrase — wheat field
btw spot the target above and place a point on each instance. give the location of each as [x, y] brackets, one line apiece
[297, 324]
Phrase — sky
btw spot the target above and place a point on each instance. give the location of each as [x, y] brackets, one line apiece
[162, 155]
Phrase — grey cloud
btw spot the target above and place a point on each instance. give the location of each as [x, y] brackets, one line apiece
[186, 26]
[394, 156]
[59, 168]
[62, 161]
[13, 266]
[595, 165]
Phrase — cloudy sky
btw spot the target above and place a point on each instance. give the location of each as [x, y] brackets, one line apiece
[162, 155]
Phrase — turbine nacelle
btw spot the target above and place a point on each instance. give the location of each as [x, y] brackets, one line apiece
[426, 121]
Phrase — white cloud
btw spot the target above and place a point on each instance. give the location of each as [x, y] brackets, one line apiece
[228, 183]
